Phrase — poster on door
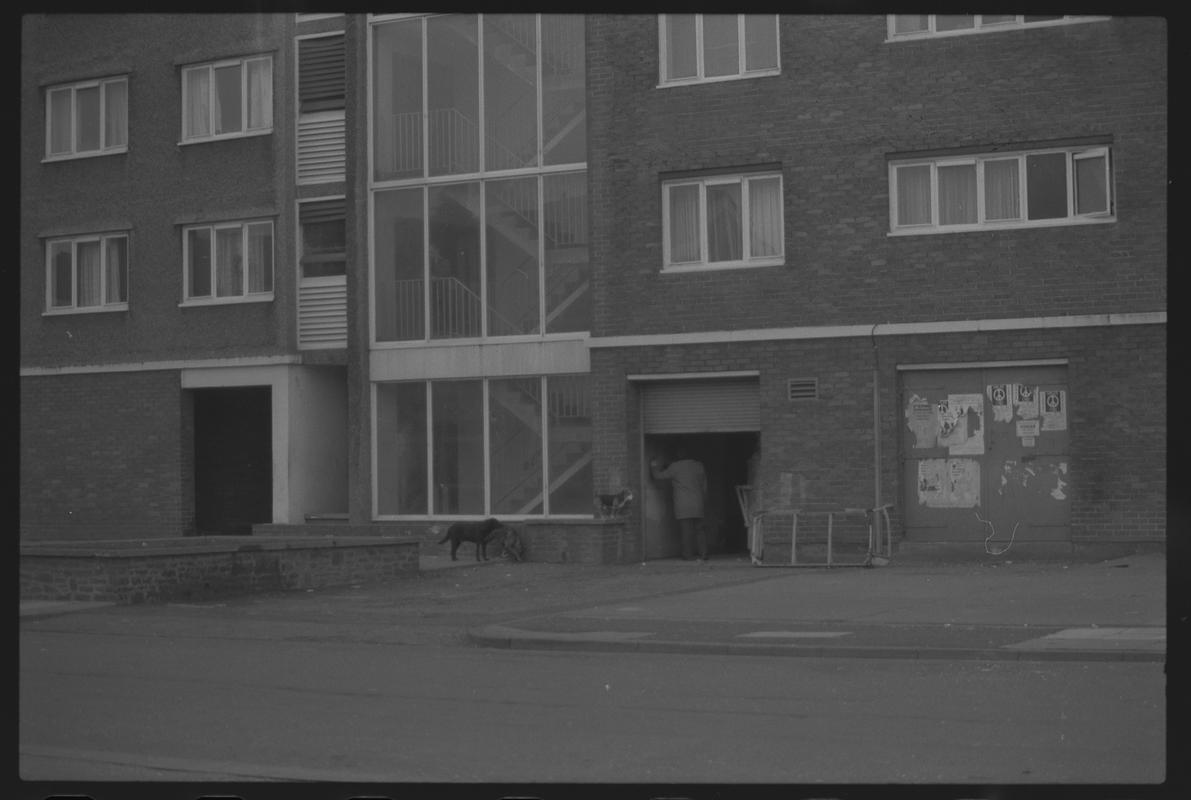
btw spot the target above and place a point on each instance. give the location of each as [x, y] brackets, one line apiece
[1054, 410]
[1002, 405]
[949, 482]
[961, 424]
[1025, 400]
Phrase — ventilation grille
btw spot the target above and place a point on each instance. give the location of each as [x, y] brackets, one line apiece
[802, 389]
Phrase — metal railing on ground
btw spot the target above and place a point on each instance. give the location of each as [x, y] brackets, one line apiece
[821, 535]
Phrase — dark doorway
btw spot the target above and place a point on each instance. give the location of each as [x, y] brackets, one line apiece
[233, 459]
[725, 458]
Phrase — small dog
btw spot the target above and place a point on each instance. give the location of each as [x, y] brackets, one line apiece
[481, 533]
[613, 505]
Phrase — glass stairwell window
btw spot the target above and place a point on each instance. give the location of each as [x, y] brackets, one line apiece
[479, 167]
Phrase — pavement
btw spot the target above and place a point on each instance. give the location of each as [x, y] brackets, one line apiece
[991, 609]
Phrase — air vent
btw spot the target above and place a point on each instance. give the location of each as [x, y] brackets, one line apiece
[802, 389]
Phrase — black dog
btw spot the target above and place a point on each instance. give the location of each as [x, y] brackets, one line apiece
[481, 533]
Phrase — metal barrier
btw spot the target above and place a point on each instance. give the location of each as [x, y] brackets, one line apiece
[879, 542]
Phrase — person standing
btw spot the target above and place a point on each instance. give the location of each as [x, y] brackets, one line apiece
[688, 483]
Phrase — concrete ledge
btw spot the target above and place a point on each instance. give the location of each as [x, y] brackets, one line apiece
[207, 567]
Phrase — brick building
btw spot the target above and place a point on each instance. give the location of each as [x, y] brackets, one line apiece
[393, 270]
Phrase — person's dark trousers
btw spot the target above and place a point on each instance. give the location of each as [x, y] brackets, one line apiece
[692, 531]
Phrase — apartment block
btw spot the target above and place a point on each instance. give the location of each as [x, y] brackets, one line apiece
[398, 270]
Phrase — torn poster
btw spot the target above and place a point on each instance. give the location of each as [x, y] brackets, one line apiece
[962, 427]
[922, 418]
[1054, 410]
[998, 393]
[949, 482]
[1019, 481]
[1025, 398]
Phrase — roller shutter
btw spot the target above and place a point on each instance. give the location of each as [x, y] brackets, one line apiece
[701, 406]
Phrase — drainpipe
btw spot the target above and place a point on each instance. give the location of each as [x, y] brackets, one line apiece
[877, 444]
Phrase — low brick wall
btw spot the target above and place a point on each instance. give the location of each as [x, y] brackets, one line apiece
[596, 541]
[208, 567]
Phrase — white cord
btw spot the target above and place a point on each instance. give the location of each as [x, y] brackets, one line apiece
[994, 533]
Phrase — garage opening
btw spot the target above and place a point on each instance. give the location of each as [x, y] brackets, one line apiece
[717, 422]
[233, 459]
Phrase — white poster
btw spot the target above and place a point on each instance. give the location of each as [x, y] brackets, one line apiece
[962, 429]
[1025, 399]
[949, 483]
[1027, 427]
[1054, 410]
[1002, 405]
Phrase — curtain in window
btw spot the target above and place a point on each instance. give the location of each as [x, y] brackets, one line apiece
[61, 121]
[116, 114]
[117, 269]
[765, 217]
[913, 195]
[229, 262]
[260, 257]
[1002, 190]
[681, 58]
[684, 224]
[90, 281]
[957, 194]
[260, 95]
[198, 102]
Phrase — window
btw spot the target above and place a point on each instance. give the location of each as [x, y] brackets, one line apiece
[515, 446]
[918, 26]
[464, 94]
[709, 47]
[1026, 189]
[87, 119]
[723, 221]
[87, 273]
[227, 98]
[324, 238]
[229, 261]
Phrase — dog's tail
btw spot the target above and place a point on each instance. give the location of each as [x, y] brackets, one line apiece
[445, 536]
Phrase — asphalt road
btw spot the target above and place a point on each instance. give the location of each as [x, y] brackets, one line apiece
[132, 701]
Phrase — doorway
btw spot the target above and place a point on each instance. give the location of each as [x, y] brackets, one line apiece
[233, 459]
[724, 456]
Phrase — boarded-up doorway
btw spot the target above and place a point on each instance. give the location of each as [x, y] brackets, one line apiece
[233, 459]
[985, 454]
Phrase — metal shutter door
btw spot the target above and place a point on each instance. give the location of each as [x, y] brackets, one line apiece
[701, 406]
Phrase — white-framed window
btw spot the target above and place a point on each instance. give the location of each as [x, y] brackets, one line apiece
[228, 261]
[694, 48]
[1033, 188]
[723, 221]
[88, 118]
[233, 97]
[87, 273]
[920, 26]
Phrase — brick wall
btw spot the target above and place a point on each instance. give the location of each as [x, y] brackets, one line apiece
[216, 570]
[105, 456]
[154, 188]
[844, 101]
[1116, 386]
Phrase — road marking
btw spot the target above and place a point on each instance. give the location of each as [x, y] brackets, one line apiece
[794, 635]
